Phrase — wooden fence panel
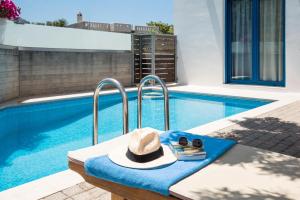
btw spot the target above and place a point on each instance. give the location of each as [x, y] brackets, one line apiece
[154, 54]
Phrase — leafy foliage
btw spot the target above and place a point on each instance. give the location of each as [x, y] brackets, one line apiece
[9, 10]
[163, 27]
[59, 22]
[39, 23]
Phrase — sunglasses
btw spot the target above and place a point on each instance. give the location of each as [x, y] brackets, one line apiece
[183, 141]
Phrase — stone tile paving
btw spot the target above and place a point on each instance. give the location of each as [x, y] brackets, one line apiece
[81, 191]
[277, 130]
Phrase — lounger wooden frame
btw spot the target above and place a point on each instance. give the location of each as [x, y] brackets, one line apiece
[118, 192]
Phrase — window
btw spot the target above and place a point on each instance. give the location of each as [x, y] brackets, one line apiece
[255, 42]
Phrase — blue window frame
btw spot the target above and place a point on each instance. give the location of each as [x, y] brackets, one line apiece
[254, 52]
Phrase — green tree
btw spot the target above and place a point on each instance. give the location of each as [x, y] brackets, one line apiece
[59, 22]
[163, 27]
[38, 23]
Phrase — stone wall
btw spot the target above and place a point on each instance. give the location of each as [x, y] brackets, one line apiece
[9, 74]
[31, 71]
[50, 72]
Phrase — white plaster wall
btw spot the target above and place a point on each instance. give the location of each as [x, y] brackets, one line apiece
[29, 35]
[199, 25]
[293, 45]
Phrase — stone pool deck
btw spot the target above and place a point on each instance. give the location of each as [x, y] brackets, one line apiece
[81, 191]
[277, 130]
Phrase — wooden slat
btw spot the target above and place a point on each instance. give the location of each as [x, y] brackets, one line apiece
[171, 58]
[116, 197]
[165, 51]
[146, 56]
[164, 56]
[169, 71]
[161, 56]
[165, 74]
[157, 62]
[165, 44]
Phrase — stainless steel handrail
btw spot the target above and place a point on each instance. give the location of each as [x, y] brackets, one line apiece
[166, 99]
[118, 85]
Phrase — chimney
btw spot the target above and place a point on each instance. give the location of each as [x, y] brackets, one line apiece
[79, 17]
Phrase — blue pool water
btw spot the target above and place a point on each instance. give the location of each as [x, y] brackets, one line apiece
[35, 138]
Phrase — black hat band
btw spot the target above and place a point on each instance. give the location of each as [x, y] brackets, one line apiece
[145, 158]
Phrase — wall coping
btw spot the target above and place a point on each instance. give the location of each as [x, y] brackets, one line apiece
[62, 49]
[72, 50]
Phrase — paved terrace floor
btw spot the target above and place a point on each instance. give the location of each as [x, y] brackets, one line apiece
[278, 131]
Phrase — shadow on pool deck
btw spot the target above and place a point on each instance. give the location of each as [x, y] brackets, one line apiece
[268, 133]
[226, 194]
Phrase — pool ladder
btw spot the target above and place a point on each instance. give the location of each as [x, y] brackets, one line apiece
[119, 86]
[166, 99]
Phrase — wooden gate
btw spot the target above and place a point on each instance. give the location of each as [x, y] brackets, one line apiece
[154, 54]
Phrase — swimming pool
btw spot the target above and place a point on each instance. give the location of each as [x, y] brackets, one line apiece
[35, 138]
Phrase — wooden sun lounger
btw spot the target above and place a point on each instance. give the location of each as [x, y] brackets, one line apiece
[242, 173]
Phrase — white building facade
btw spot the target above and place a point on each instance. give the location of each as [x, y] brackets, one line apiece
[239, 43]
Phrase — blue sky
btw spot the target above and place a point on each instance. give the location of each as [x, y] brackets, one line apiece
[136, 12]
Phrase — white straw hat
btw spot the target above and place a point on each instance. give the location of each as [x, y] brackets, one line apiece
[143, 152]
